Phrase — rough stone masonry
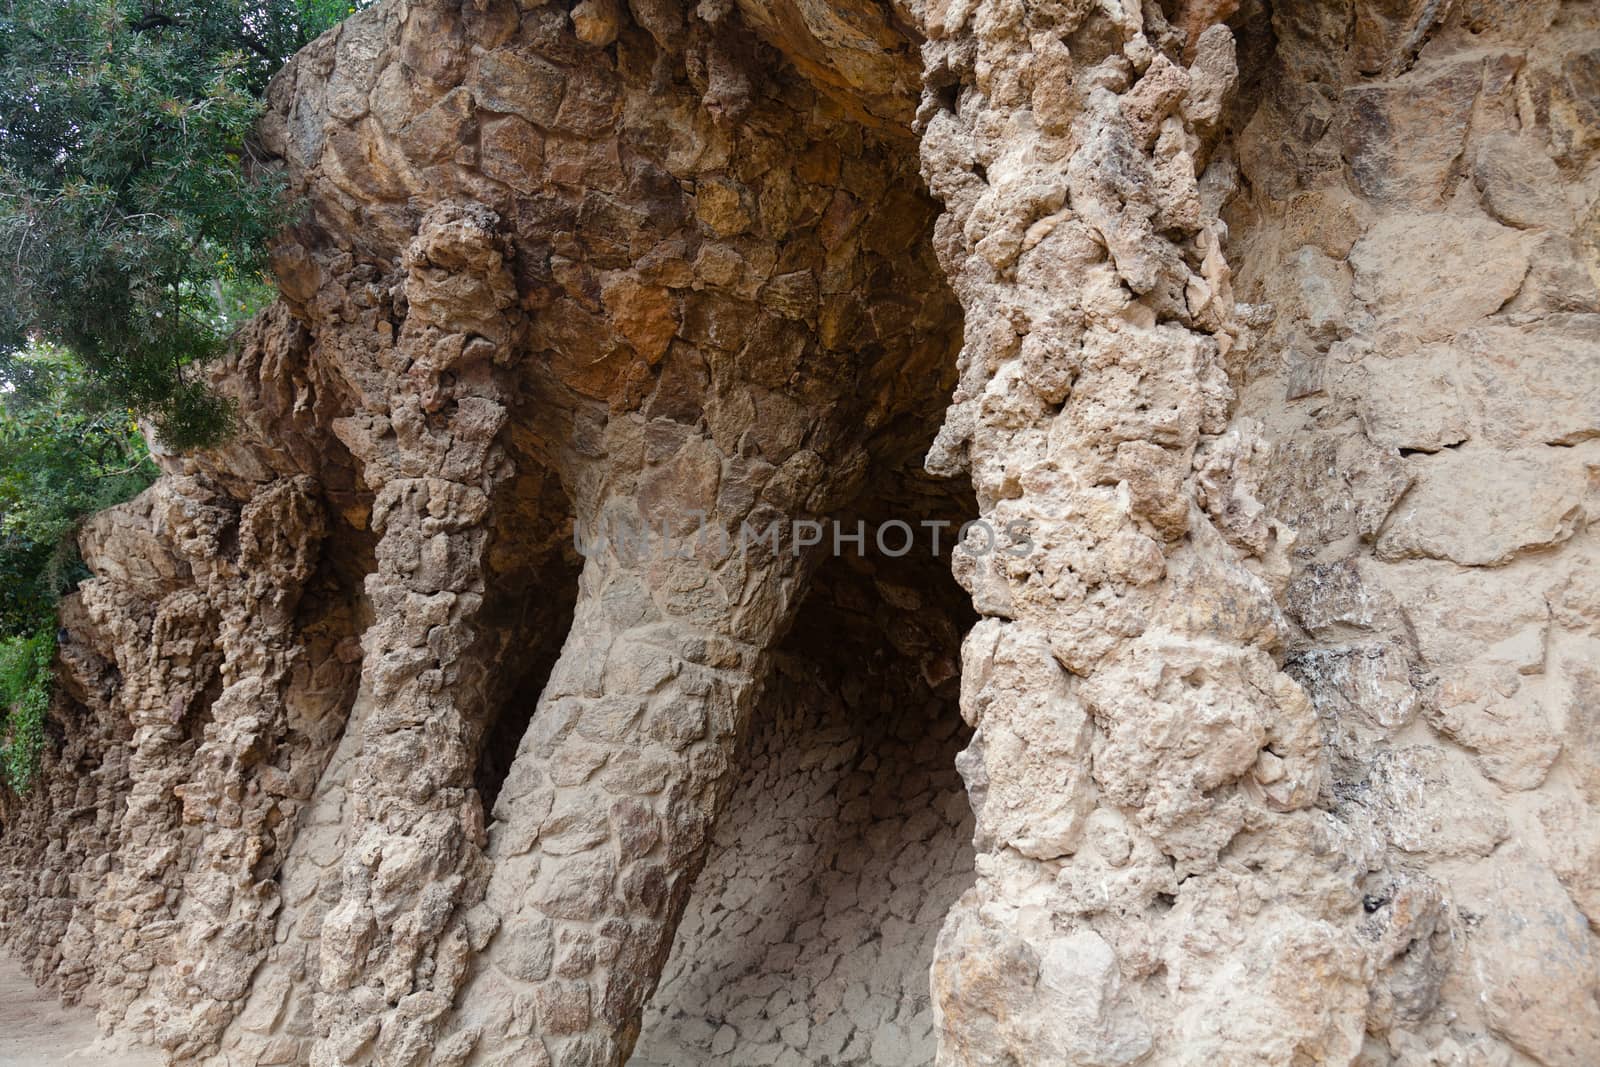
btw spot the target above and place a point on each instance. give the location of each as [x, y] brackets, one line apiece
[1270, 329]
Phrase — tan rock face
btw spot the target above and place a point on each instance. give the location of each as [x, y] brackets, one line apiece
[1265, 349]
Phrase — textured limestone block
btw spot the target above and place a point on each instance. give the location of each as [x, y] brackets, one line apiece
[1323, 287]
[1414, 401]
[1325, 596]
[1426, 277]
[1402, 138]
[1533, 960]
[1032, 743]
[1374, 681]
[1511, 735]
[1419, 793]
[1295, 993]
[1534, 385]
[1519, 182]
[1536, 498]
[1329, 487]
[1059, 1002]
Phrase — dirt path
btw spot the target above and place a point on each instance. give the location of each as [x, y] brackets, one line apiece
[36, 1031]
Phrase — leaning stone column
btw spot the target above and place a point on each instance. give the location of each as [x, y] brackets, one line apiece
[391, 958]
[1138, 753]
[605, 817]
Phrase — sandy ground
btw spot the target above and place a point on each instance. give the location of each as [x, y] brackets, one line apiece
[36, 1031]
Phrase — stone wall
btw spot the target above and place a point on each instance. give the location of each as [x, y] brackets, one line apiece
[1442, 593]
[1269, 334]
[1309, 633]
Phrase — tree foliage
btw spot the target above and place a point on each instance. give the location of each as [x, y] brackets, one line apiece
[129, 195]
[59, 461]
[134, 219]
[25, 678]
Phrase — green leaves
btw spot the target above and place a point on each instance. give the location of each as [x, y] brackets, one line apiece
[134, 220]
[60, 459]
[129, 187]
[116, 202]
[25, 678]
[58, 462]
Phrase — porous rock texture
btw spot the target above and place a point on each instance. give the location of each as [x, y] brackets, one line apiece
[1263, 336]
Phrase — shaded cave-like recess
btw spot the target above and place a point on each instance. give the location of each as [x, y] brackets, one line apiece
[809, 933]
[545, 620]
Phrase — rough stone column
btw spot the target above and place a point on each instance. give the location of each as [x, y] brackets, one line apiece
[250, 774]
[219, 776]
[164, 642]
[391, 959]
[54, 853]
[1140, 763]
[605, 817]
